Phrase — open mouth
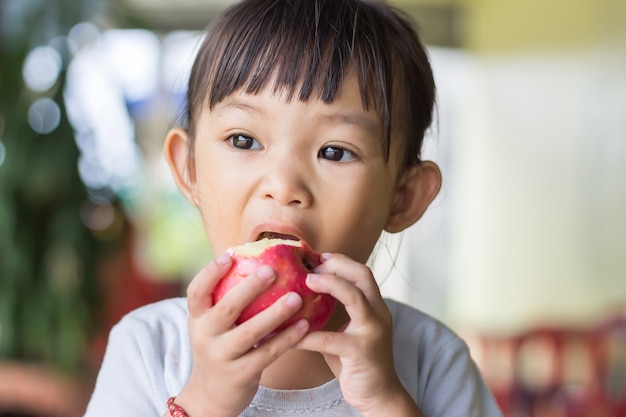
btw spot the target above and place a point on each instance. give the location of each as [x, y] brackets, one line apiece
[273, 235]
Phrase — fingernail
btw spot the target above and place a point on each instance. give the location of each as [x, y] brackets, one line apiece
[265, 273]
[224, 258]
[326, 256]
[293, 300]
[313, 278]
[302, 324]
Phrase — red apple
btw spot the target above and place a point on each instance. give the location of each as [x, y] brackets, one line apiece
[291, 260]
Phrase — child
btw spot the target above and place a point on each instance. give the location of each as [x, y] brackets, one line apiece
[305, 120]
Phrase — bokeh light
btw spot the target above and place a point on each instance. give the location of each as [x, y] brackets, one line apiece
[97, 100]
[41, 68]
[82, 34]
[44, 115]
[3, 149]
[3, 152]
[139, 81]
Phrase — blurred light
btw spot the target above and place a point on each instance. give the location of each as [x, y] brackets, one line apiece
[3, 152]
[139, 81]
[179, 50]
[61, 45]
[99, 87]
[3, 149]
[81, 35]
[101, 195]
[84, 140]
[98, 217]
[44, 115]
[91, 173]
[104, 220]
[41, 68]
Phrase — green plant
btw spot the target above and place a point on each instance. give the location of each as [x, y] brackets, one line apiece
[48, 288]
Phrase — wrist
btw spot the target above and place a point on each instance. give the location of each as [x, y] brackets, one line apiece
[185, 402]
[193, 407]
[174, 409]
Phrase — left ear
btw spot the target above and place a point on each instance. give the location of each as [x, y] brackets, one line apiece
[417, 188]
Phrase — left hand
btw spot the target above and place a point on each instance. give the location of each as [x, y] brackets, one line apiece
[360, 356]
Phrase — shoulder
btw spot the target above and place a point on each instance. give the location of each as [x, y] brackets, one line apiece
[421, 342]
[161, 323]
[420, 330]
[147, 358]
[164, 312]
[148, 349]
[436, 367]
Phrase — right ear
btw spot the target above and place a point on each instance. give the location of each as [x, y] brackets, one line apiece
[176, 151]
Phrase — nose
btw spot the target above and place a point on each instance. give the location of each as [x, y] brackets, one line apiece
[288, 183]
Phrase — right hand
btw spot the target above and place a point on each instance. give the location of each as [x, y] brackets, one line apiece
[227, 358]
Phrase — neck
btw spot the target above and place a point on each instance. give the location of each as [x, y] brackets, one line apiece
[297, 369]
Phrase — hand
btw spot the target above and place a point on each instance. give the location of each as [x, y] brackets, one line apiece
[228, 359]
[360, 356]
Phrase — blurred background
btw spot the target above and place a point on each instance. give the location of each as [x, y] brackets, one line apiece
[523, 252]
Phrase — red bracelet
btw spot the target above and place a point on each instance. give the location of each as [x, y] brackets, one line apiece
[175, 410]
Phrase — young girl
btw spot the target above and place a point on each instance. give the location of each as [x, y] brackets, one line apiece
[305, 120]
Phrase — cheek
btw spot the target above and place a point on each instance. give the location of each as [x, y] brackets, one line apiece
[215, 177]
[359, 217]
[215, 192]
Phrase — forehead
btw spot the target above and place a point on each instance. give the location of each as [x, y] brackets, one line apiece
[346, 109]
[248, 50]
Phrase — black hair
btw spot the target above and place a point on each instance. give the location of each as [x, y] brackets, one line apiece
[307, 47]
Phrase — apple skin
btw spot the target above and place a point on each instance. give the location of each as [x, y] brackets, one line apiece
[291, 265]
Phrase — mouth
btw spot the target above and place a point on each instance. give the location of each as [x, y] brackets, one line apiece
[274, 235]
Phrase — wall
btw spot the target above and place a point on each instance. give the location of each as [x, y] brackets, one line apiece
[531, 227]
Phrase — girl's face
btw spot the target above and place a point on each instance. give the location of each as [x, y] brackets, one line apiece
[309, 170]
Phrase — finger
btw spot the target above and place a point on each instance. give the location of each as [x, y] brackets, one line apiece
[232, 304]
[356, 273]
[346, 292]
[328, 343]
[199, 290]
[267, 352]
[264, 323]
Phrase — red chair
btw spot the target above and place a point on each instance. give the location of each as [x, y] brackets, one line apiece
[558, 372]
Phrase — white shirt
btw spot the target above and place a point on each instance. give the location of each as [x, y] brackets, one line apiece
[148, 359]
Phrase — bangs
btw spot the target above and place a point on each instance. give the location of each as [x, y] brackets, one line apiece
[304, 48]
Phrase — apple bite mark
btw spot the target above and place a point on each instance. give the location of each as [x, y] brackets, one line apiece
[273, 235]
[291, 261]
[253, 249]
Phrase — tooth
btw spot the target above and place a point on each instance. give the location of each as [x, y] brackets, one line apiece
[273, 235]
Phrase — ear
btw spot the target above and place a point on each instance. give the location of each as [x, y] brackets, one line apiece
[417, 188]
[176, 151]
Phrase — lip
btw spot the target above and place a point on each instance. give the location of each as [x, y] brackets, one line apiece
[277, 228]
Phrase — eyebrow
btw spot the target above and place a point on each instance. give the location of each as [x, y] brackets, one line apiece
[367, 124]
[236, 104]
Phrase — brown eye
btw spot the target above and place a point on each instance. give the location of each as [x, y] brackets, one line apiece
[337, 154]
[244, 142]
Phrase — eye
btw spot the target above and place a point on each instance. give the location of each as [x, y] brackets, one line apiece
[337, 154]
[240, 141]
